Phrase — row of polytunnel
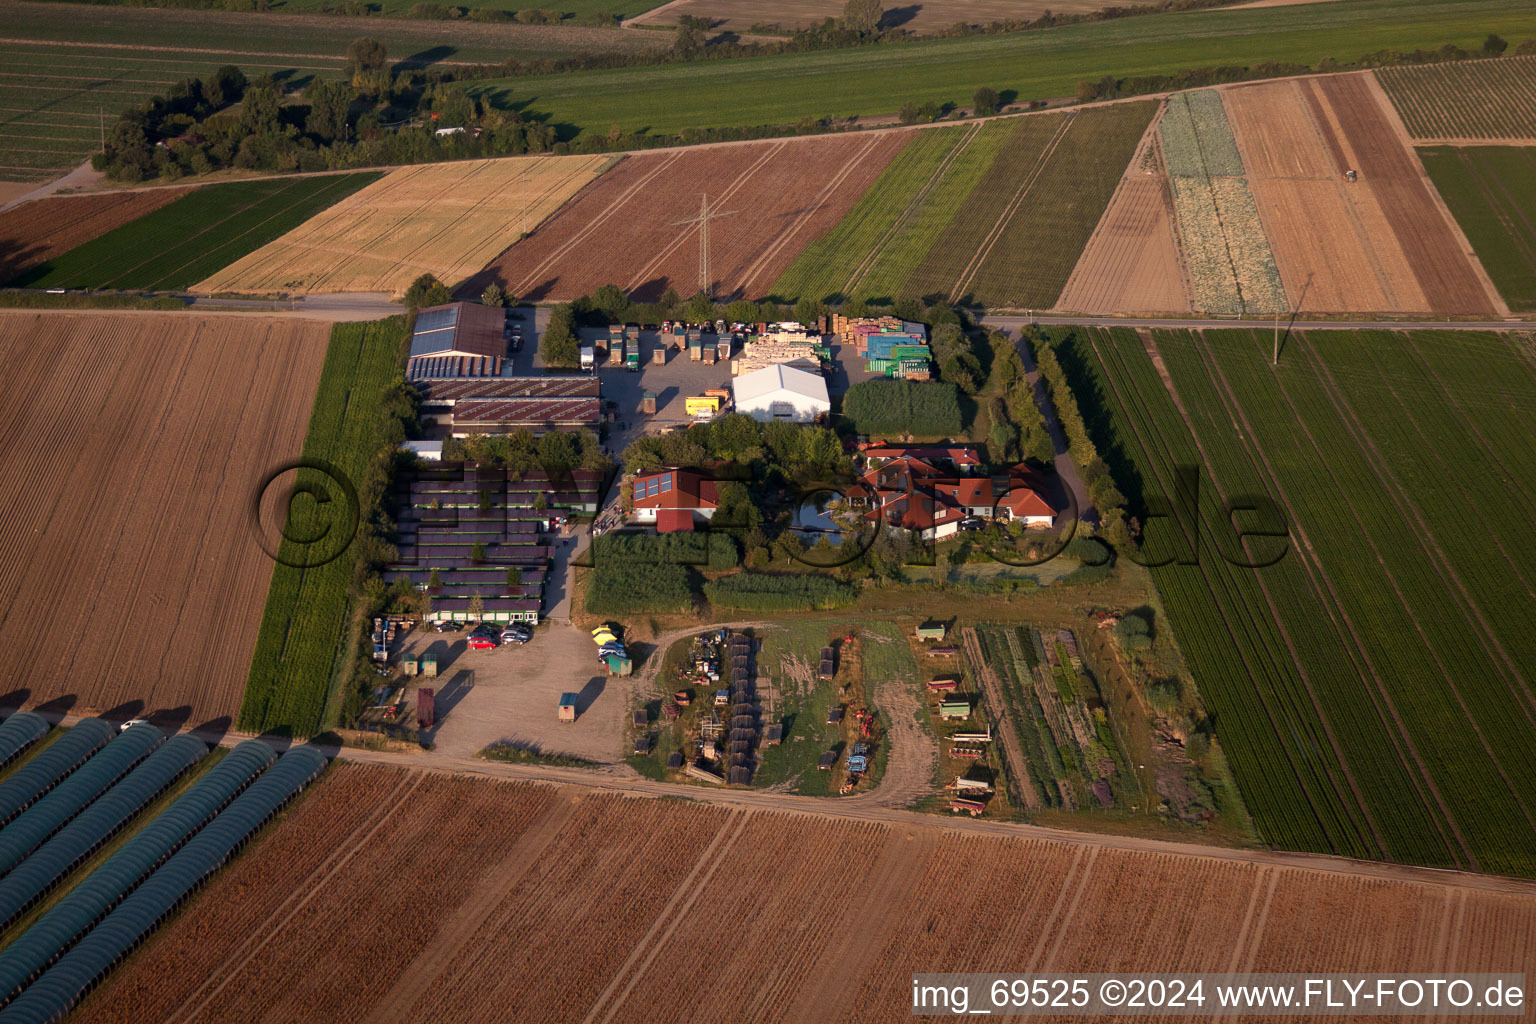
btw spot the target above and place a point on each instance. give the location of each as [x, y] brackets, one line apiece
[61, 809]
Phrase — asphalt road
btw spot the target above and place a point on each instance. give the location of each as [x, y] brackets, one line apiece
[338, 306]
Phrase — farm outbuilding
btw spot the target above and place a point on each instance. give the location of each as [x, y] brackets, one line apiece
[460, 339]
[500, 405]
[781, 392]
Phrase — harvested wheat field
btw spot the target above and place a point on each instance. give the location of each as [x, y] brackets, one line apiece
[128, 568]
[389, 895]
[929, 16]
[1380, 244]
[1131, 263]
[446, 219]
[767, 201]
[36, 232]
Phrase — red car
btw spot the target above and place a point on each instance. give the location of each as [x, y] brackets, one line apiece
[483, 643]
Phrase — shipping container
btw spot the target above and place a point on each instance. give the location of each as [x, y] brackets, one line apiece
[426, 707]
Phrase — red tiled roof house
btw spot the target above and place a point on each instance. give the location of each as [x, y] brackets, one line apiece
[670, 498]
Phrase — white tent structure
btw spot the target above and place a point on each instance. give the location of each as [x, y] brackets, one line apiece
[781, 392]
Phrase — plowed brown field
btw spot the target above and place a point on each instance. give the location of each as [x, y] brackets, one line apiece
[135, 444]
[1380, 244]
[1132, 264]
[35, 232]
[768, 201]
[389, 895]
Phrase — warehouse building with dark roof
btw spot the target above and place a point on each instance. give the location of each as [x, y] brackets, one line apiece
[460, 339]
[499, 405]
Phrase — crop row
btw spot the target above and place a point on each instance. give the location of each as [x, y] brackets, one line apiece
[1387, 603]
[187, 240]
[1228, 255]
[826, 268]
[296, 657]
[1036, 252]
[1290, 777]
[1366, 574]
[957, 245]
[1436, 582]
[1488, 190]
[1486, 99]
[909, 248]
[1197, 138]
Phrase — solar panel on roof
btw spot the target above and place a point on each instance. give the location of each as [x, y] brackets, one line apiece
[436, 319]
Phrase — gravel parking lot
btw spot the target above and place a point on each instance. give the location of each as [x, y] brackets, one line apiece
[512, 693]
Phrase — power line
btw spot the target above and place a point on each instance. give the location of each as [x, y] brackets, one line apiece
[702, 220]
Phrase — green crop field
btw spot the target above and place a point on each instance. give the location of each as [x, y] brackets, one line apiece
[184, 242]
[1479, 99]
[835, 265]
[70, 69]
[301, 643]
[996, 213]
[1491, 190]
[1037, 249]
[1033, 65]
[1373, 687]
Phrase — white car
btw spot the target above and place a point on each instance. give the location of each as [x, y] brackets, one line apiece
[131, 723]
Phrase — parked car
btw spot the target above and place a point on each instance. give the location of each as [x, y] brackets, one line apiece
[483, 642]
[516, 635]
[447, 626]
[131, 723]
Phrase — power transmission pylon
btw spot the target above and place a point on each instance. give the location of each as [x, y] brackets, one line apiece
[702, 220]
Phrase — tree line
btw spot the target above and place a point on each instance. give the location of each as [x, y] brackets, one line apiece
[1110, 87]
[375, 117]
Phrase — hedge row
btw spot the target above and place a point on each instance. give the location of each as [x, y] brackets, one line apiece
[707, 550]
[1102, 491]
[764, 592]
[621, 588]
[922, 408]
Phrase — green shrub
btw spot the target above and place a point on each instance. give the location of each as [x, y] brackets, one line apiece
[926, 408]
[620, 587]
[758, 591]
[715, 550]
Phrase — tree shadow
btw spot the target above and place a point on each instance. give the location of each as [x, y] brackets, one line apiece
[895, 17]
[424, 58]
[171, 719]
[123, 712]
[57, 708]
[16, 699]
[214, 729]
